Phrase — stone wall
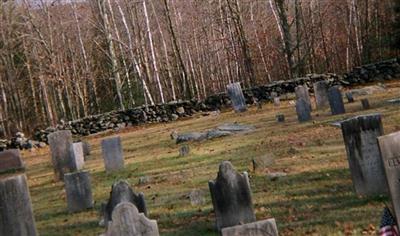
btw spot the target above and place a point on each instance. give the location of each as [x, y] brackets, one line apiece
[378, 72]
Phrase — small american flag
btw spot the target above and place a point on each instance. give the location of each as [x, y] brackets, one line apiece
[388, 225]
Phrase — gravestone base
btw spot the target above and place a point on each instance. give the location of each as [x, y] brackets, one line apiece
[259, 228]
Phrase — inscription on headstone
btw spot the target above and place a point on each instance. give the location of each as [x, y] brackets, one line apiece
[112, 154]
[259, 228]
[360, 137]
[336, 101]
[321, 94]
[231, 197]
[237, 98]
[79, 191]
[61, 154]
[10, 160]
[389, 146]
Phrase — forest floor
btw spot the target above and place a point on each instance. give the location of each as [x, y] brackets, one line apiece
[315, 198]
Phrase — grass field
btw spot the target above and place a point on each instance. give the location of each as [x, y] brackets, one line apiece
[315, 198]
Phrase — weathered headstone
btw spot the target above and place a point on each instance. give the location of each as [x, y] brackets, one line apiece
[79, 191]
[280, 117]
[77, 155]
[122, 192]
[259, 228]
[184, 150]
[16, 216]
[389, 146]
[302, 93]
[196, 197]
[86, 148]
[127, 221]
[112, 154]
[277, 101]
[237, 98]
[349, 96]
[365, 104]
[10, 160]
[321, 94]
[60, 146]
[336, 101]
[360, 137]
[231, 197]
[303, 110]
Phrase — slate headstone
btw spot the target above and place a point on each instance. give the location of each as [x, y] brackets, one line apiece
[60, 146]
[184, 150]
[16, 215]
[280, 118]
[321, 94]
[365, 104]
[349, 96]
[336, 101]
[389, 146]
[302, 93]
[231, 197]
[258, 228]
[112, 154]
[127, 221]
[360, 137]
[10, 160]
[86, 148]
[79, 191]
[78, 155]
[303, 110]
[237, 98]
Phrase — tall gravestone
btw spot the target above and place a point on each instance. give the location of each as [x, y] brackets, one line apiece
[79, 191]
[336, 100]
[112, 154]
[259, 228]
[127, 221]
[321, 94]
[360, 137]
[389, 146]
[78, 155]
[231, 197]
[10, 160]
[349, 96]
[61, 154]
[16, 216]
[302, 93]
[237, 98]
[365, 104]
[303, 110]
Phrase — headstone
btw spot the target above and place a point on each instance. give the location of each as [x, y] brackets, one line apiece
[336, 101]
[184, 151]
[77, 155]
[365, 104]
[349, 96]
[277, 101]
[302, 93]
[389, 146]
[112, 154]
[122, 192]
[86, 148]
[16, 216]
[196, 197]
[259, 228]
[60, 146]
[303, 110]
[127, 221]
[280, 118]
[321, 94]
[231, 197]
[237, 98]
[360, 137]
[79, 191]
[10, 160]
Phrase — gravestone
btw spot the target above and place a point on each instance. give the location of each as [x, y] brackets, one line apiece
[184, 150]
[302, 93]
[60, 146]
[77, 155]
[237, 98]
[231, 197]
[336, 101]
[122, 192]
[10, 160]
[259, 228]
[349, 96]
[16, 216]
[79, 191]
[277, 101]
[303, 110]
[365, 104]
[112, 154]
[360, 137]
[86, 148]
[196, 197]
[321, 94]
[389, 146]
[280, 118]
[127, 221]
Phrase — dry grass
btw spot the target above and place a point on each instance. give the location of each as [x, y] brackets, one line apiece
[316, 198]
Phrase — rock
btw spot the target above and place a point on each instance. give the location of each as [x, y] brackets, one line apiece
[180, 110]
[174, 117]
[143, 180]
[276, 175]
[235, 127]
[194, 136]
[368, 90]
[196, 197]
[258, 228]
[215, 133]
[174, 135]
